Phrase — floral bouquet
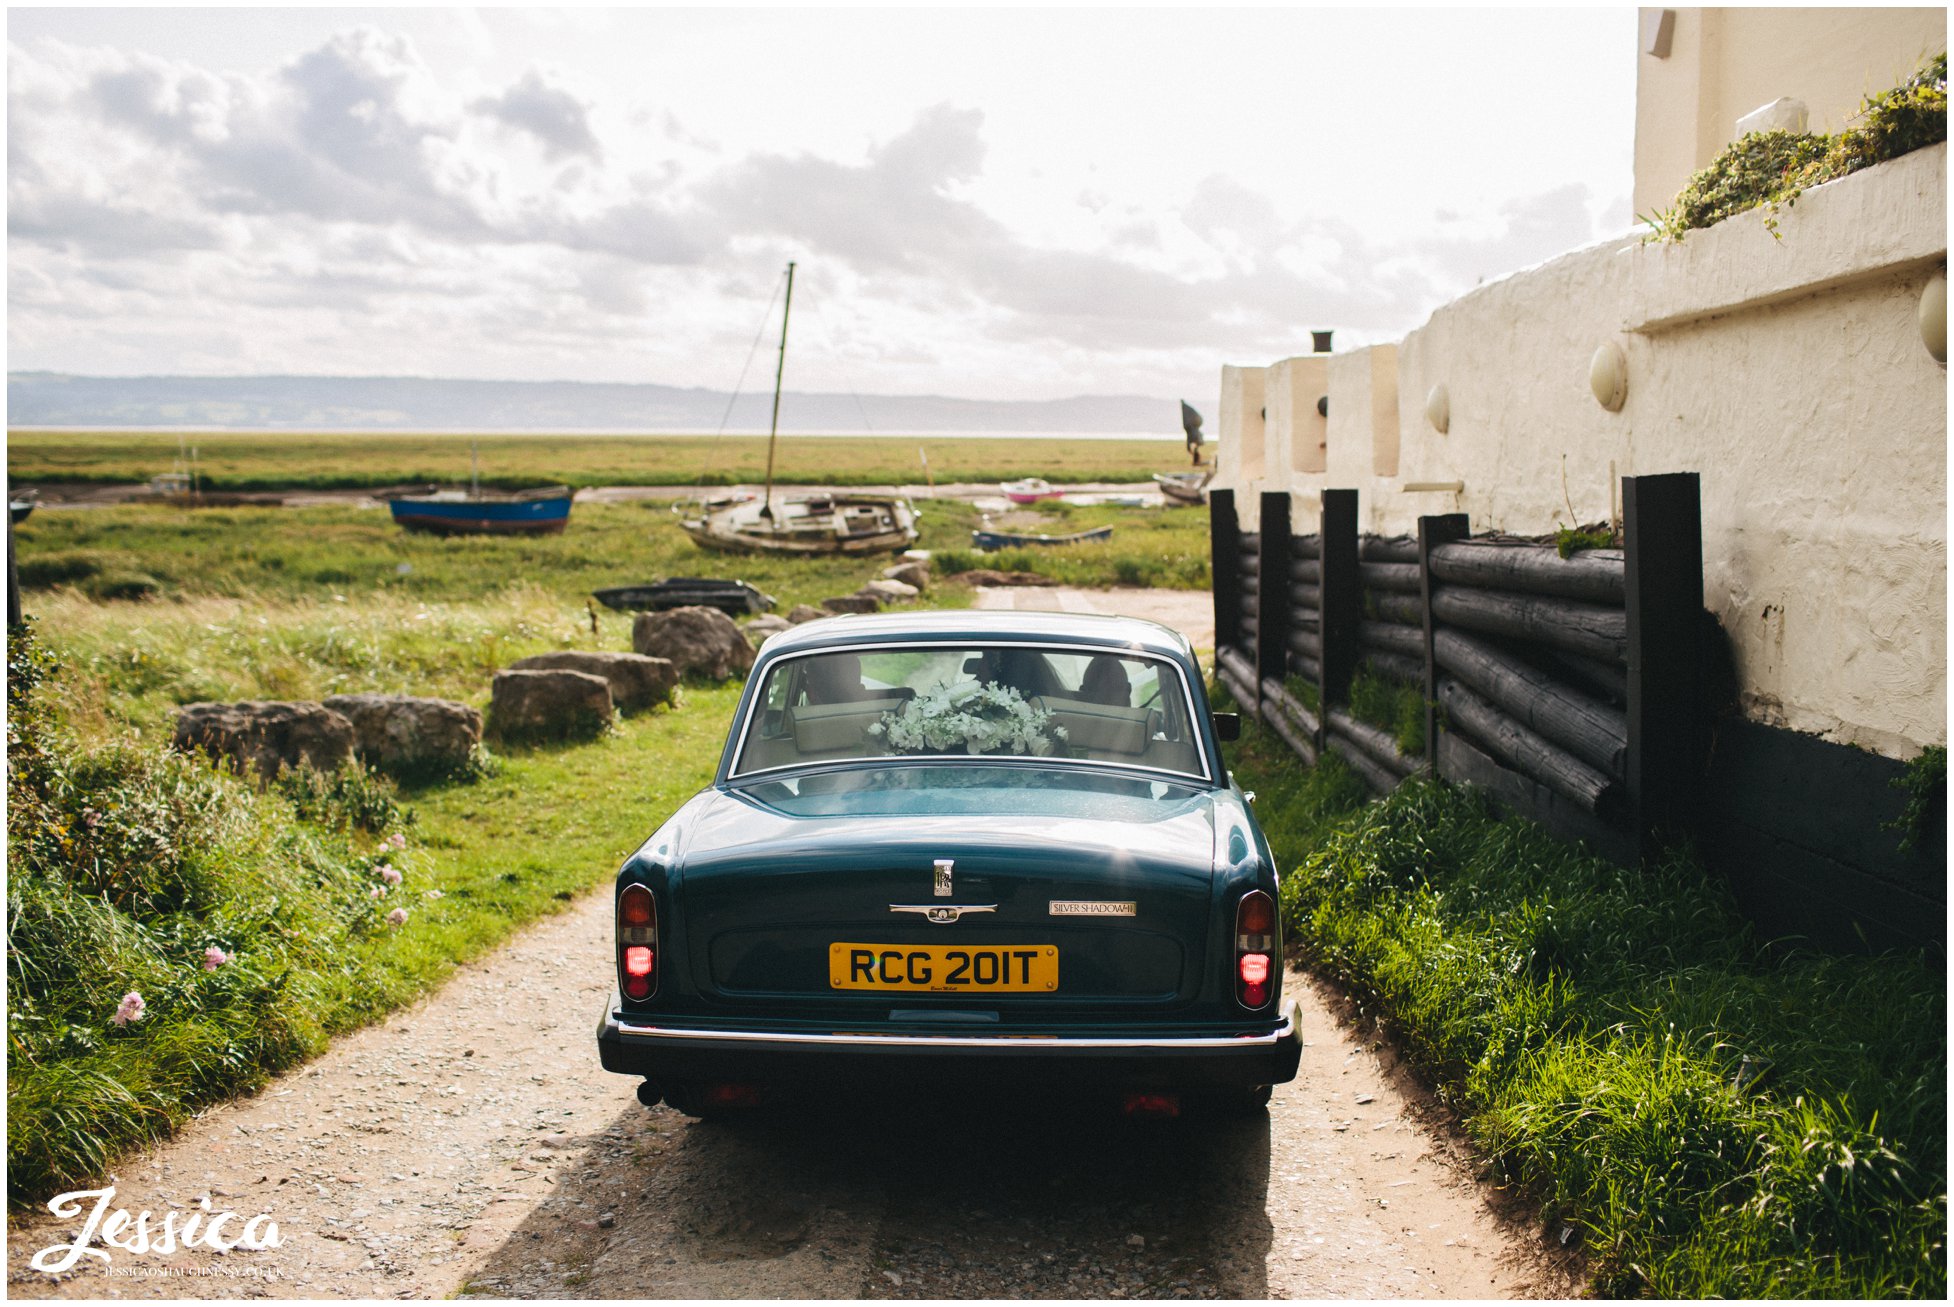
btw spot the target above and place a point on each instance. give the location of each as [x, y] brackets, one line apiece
[988, 718]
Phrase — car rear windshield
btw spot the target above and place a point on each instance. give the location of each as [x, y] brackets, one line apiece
[997, 701]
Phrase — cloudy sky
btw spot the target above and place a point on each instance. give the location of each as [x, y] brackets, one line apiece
[1026, 204]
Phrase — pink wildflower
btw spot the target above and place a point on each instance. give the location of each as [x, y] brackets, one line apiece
[131, 1009]
[214, 958]
[375, 892]
[389, 875]
[396, 841]
[397, 917]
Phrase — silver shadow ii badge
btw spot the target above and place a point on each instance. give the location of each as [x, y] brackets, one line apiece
[942, 913]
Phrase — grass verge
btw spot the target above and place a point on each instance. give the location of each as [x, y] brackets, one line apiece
[1713, 1117]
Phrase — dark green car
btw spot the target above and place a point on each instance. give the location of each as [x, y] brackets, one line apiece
[961, 849]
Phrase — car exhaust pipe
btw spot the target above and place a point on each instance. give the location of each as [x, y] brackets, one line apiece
[650, 1094]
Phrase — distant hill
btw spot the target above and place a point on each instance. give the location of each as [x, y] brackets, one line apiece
[37, 399]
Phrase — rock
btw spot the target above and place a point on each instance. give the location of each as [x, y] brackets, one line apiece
[403, 735]
[261, 736]
[856, 603]
[696, 640]
[985, 576]
[806, 613]
[916, 574]
[637, 682]
[552, 704]
[761, 627]
[890, 592]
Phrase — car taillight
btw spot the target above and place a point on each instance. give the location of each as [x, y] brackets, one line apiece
[1255, 947]
[637, 942]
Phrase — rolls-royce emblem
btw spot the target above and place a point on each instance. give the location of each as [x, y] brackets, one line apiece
[942, 914]
[944, 866]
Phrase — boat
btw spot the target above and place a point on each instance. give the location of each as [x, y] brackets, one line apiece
[20, 504]
[987, 541]
[1188, 487]
[816, 522]
[734, 598]
[1031, 490]
[542, 511]
[433, 510]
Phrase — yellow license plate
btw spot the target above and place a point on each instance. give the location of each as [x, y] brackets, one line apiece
[945, 968]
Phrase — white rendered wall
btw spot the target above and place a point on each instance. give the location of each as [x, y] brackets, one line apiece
[1788, 372]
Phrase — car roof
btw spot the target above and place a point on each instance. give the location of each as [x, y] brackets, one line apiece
[981, 625]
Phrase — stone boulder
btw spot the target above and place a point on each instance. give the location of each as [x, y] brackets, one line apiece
[762, 627]
[916, 574]
[553, 704]
[637, 682]
[855, 603]
[807, 613]
[702, 641]
[890, 592]
[260, 737]
[403, 735]
[986, 576]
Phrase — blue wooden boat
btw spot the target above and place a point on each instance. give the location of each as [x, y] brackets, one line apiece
[992, 540]
[544, 511]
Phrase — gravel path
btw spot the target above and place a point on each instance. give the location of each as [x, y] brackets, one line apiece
[472, 1144]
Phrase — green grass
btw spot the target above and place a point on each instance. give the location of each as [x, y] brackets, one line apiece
[1712, 1117]
[319, 553]
[302, 461]
[1390, 705]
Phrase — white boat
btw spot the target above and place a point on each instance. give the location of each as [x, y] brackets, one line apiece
[817, 522]
[1029, 491]
[1188, 487]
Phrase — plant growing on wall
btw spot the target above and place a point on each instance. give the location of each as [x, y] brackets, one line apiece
[1774, 168]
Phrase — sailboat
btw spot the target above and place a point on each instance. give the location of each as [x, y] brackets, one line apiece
[475, 511]
[815, 522]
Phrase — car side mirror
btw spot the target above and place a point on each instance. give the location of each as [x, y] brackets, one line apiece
[1227, 726]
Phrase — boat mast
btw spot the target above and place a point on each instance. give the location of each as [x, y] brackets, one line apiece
[474, 469]
[780, 369]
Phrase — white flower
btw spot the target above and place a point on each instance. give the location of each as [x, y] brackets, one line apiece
[987, 718]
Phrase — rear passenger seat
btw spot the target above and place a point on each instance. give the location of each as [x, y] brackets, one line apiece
[1097, 728]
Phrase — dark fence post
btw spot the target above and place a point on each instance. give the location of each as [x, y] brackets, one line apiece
[1272, 615]
[1225, 566]
[1342, 610]
[1433, 531]
[1662, 525]
[13, 579]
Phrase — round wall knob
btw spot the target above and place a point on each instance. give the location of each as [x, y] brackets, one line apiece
[1438, 408]
[1608, 376]
[1933, 316]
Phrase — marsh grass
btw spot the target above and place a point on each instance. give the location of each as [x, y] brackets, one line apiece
[1711, 1115]
[343, 461]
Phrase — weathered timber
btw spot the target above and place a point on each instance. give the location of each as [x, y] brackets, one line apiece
[1277, 693]
[1662, 522]
[1400, 577]
[1380, 780]
[1272, 600]
[1528, 752]
[1306, 596]
[1248, 629]
[1590, 674]
[1309, 546]
[1398, 667]
[1394, 636]
[1234, 670]
[1461, 760]
[1594, 575]
[1251, 587]
[1225, 559]
[1392, 549]
[1435, 531]
[1343, 597]
[1251, 554]
[1306, 642]
[1589, 629]
[1299, 743]
[1588, 729]
[1379, 744]
[1403, 609]
[1306, 569]
[1251, 543]
[1305, 666]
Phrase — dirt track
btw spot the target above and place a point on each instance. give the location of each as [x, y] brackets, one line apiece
[473, 1143]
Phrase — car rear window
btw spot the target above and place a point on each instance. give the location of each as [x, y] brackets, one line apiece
[976, 701]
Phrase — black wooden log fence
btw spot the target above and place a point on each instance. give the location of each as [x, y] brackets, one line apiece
[1567, 687]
